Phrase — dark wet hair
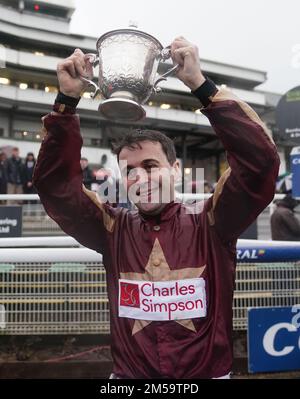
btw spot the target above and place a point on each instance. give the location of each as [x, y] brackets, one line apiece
[134, 137]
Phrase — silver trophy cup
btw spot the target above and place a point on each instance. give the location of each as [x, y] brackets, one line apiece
[128, 60]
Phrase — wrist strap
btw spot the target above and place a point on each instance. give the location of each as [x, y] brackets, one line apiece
[70, 101]
[65, 104]
[206, 92]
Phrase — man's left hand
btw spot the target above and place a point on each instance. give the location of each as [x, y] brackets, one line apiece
[186, 55]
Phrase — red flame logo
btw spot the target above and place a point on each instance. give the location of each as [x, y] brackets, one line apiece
[130, 295]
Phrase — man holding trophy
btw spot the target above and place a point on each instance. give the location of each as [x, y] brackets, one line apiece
[170, 273]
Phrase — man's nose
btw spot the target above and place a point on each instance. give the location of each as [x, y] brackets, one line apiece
[138, 175]
[143, 177]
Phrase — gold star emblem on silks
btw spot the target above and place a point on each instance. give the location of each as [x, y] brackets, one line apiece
[157, 269]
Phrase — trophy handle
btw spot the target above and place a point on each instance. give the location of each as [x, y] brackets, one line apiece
[165, 54]
[93, 59]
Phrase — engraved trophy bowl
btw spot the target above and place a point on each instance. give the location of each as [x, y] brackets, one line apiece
[128, 61]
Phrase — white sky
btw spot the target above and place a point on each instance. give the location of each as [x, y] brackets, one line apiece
[258, 34]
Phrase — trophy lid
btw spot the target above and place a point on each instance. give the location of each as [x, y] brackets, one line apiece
[129, 30]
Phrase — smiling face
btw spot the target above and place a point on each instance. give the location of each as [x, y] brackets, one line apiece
[148, 176]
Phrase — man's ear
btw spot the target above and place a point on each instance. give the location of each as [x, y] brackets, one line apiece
[177, 170]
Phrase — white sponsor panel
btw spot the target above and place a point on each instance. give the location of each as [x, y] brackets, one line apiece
[162, 300]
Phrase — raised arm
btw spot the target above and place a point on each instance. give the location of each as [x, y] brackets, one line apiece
[248, 185]
[58, 175]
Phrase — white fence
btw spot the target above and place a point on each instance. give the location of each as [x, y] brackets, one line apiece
[62, 290]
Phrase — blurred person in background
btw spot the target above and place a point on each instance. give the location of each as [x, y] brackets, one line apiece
[15, 175]
[284, 224]
[3, 178]
[87, 174]
[208, 187]
[29, 165]
[103, 161]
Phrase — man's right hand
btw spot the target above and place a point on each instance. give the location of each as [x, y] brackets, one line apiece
[69, 72]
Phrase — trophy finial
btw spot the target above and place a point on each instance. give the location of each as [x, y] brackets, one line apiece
[133, 24]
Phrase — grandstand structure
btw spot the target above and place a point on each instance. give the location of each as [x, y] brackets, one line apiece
[36, 36]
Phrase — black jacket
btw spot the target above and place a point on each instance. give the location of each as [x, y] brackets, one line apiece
[27, 174]
[14, 170]
[2, 178]
[87, 177]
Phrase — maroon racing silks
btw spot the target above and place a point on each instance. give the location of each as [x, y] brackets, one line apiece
[179, 276]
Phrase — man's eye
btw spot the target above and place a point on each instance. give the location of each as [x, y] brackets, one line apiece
[132, 173]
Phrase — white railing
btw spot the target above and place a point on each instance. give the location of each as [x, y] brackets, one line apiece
[37, 222]
[37, 255]
[19, 197]
[67, 242]
[44, 242]
[183, 197]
